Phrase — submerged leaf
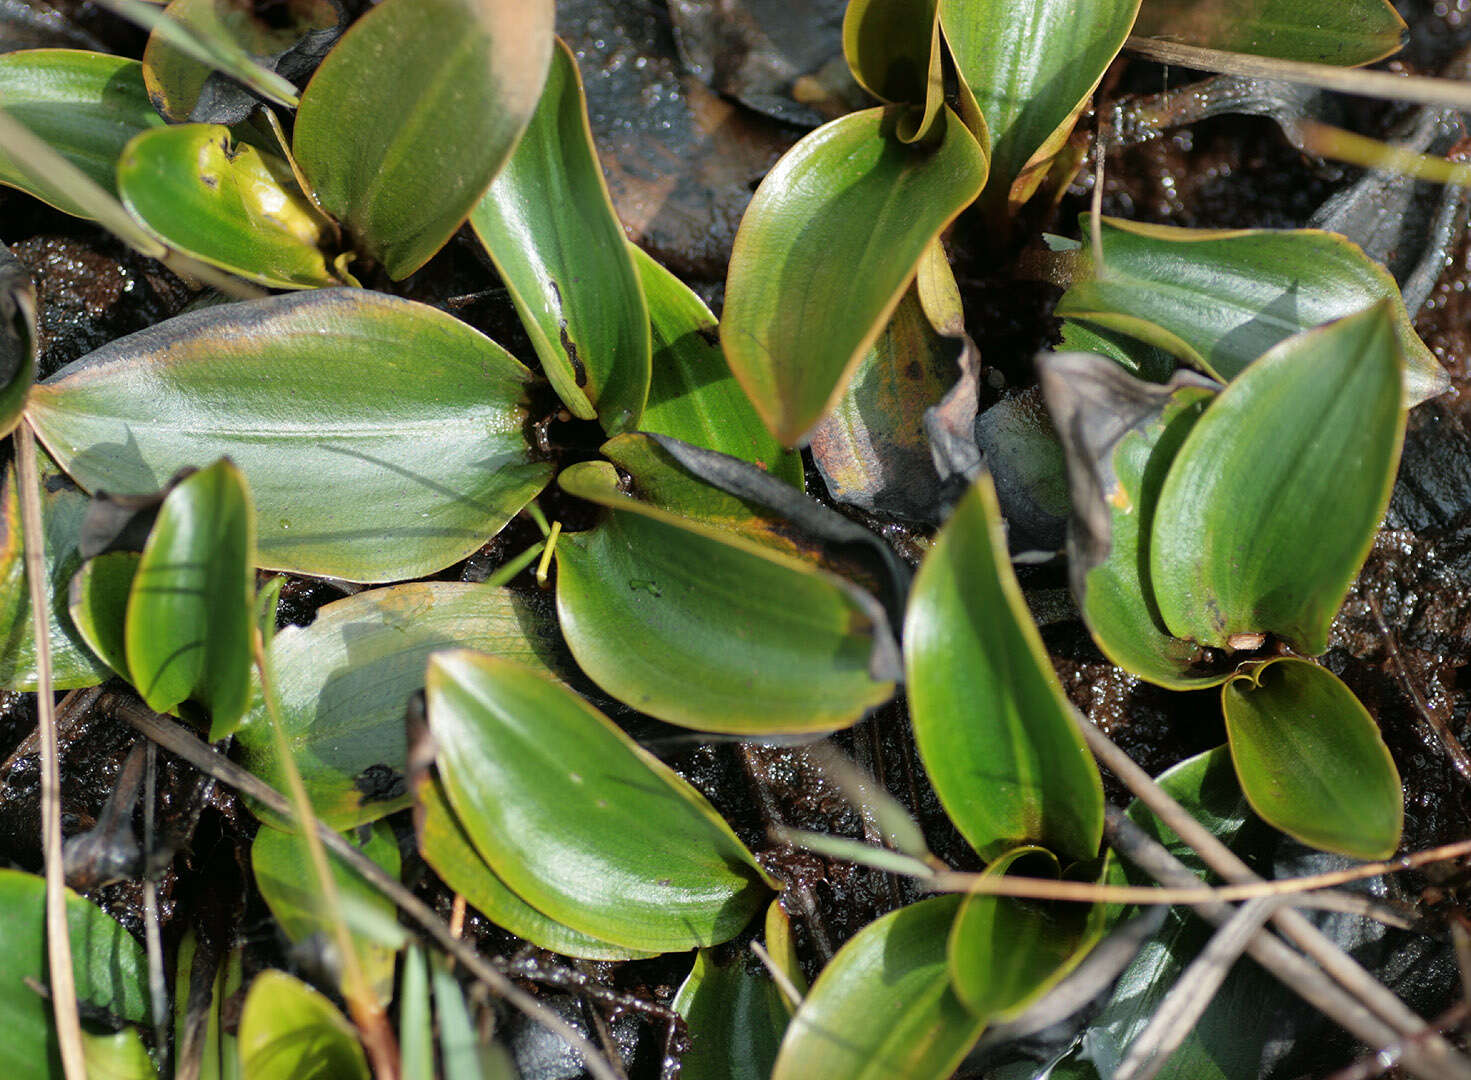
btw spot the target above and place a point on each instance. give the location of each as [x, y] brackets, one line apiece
[825, 252]
[549, 226]
[1296, 455]
[413, 113]
[226, 203]
[994, 729]
[382, 439]
[1218, 299]
[678, 620]
[85, 105]
[1311, 760]
[577, 819]
[343, 684]
[883, 1008]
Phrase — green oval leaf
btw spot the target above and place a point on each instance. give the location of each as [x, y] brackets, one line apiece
[110, 968]
[1349, 32]
[343, 684]
[893, 50]
[17, 339]
[1311, 760]
[63, 506]
[98, 604]
[825, 252]
[287, 881]
[1006, 953]
[736, 1018]
[577, 819]
[225, 203]
[85, 105]
[449, 850]
[184, 88]
[1218, 299]
[1031, 66]
[288, 1031]
[707, 629]
[549, 226]
[872, 449]
[382, 439]
[189, 617]
[119, 1056]
[410, 117]
[1121, 436]
[994, 729]
[883, 1008]
[692, 394]
[1297, 455]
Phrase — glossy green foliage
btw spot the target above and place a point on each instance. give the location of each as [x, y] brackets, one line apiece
[189, 619]
[692, 394]
[382, 439]
[343, 684]
[1121, 436]
[1349, 32]
[703, 628]
[178, 83]
[1311, 760]
[225, 203]
[449, 850]
[98, 604]
[18, 343]
[412, 114]
[994, 729]
[1031, 66]
[111, 972]
[288, 1031]
[893, 49]
[1006, 953]
[883, 1008]
[736, 1018]
[85, 105]
[825, 252]
[1272, 502]
[872, 447]
[549, 226]
[288, 883]
[1218, 299]
[577, 819]
[62, 506]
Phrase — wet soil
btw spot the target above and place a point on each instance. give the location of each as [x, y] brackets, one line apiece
[682, 162]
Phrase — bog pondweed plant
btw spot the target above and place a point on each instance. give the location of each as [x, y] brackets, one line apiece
[1219, 514]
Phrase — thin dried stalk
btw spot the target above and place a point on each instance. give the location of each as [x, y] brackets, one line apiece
[58, 939]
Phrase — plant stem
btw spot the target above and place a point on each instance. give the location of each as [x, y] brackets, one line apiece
[58, 938]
